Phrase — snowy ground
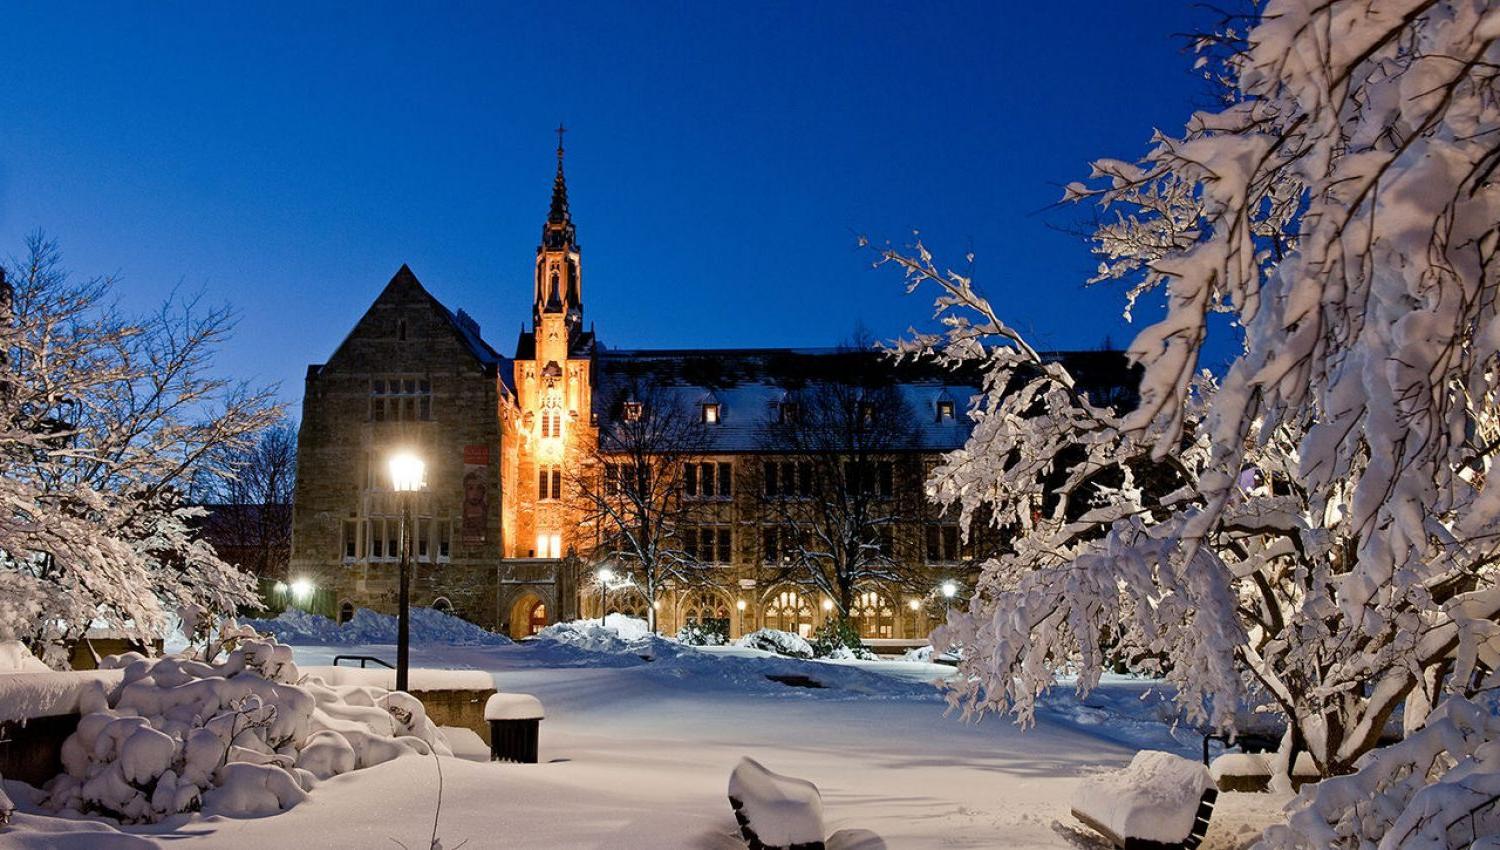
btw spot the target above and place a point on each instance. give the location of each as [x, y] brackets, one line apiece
[638, 754]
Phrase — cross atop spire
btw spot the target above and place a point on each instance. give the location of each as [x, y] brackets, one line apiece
[559, 212]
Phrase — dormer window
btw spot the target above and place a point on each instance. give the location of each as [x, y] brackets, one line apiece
[632, 411]
[945, 411]
[711, 414]
[866, 413]
[790, 412]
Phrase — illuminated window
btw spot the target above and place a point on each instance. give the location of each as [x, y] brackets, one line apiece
[944, 411]
[549, 545]
[632, 411]
[711, 414]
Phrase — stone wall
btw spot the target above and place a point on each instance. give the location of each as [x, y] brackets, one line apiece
[342, 482]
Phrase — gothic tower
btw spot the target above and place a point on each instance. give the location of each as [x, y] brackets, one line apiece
[553, 393]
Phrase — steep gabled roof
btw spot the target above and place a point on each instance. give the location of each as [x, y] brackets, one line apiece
[403, 287]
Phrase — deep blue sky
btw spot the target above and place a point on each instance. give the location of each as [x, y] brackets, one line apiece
[721, 158]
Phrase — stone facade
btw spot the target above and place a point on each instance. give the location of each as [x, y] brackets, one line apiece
[502, 541]
[410, 376]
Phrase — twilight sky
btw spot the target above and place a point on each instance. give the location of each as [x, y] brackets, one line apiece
[721, 158]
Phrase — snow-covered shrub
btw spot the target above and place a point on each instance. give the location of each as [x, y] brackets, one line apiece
[1435, 790]
[618, 634]
[240, 737]
[777, 641]
[712, 633]
[839, 640]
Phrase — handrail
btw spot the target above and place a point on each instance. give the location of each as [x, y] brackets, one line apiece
[362, 659]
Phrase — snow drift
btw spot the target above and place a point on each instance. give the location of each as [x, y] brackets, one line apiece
[294, 626]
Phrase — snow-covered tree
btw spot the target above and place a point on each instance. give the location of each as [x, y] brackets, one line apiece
[248, 493]
[835, 482]
[1316, 524]
[628, 488]
[104, 420]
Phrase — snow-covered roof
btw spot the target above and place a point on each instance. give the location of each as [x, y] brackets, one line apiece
[750, 385]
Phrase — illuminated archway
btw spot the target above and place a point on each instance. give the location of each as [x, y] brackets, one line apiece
[789, 611]
[529, 614]
[873, 613]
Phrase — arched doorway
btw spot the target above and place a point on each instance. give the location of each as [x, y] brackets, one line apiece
[529, 614]
[789, 611]
[442, 604]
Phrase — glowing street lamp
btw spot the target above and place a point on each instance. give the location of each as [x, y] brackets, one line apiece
[949, 589]
[302, 590]
[408, 476]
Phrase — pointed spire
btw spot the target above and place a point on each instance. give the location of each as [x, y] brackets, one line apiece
[559, 211]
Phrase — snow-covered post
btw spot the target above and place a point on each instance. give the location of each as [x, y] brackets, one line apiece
[408, 475]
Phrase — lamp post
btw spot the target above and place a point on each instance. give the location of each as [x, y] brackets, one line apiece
[605, 576]
[408, 474]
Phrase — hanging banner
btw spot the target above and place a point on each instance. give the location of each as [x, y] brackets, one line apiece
[476, 493]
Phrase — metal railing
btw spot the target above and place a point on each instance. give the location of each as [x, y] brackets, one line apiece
[363, 660]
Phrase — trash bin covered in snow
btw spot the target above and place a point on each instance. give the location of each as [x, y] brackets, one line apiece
[514, 722]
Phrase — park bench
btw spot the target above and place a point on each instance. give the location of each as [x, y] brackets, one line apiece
[1159, 802]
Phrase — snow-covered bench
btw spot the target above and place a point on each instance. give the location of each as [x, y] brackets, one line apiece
[1253, 771]
[39, 709]
[450, 697]
[775, 812]
[1160, 801]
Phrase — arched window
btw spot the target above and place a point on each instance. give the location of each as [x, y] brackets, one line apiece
[442, 604]
[630, 602]
[708, 610]
[873, 614]
[789, 611]
[346, 612]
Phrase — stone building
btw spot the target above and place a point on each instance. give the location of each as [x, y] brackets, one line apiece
[501, 536]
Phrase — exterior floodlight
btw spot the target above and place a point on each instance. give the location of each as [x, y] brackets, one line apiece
[408, 473]
[913, 604]
[949, 589]
[827, 604]
[606, 574]
[301, 589]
